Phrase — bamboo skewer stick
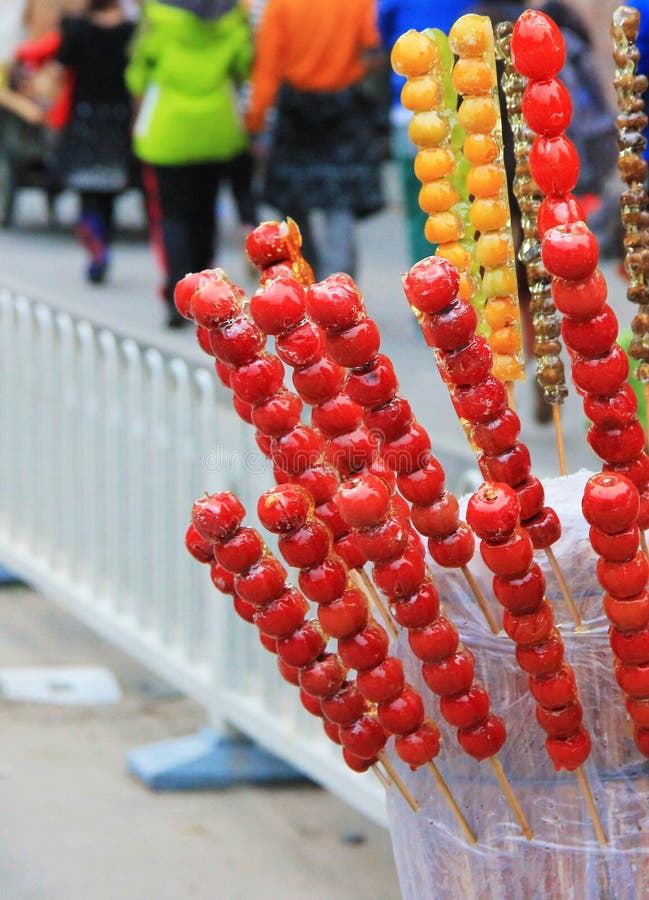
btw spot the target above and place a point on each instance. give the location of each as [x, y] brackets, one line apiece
[556, 415]
[592, 809]
[398, 783]
[364, 584]
[511, 397]
[480, 599]
[565, 590]
[452, 802]
[511, 797]
[383, 778]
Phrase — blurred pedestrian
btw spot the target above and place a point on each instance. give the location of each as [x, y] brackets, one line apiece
[95, 148]
[312, 59]
[187, 59]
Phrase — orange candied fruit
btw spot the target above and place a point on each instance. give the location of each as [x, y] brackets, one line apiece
[478, 114]
[505, 341]
[434, 162]
[506, 367]
[437, 196]
[469, 36]
[487, 214]
[443, 228]
[421, 93]
[485, 181]
[467, 287]
[494, 249]
[427, 129]
[481, 149]
[473, 76]
[500, 282]
[500, 312]
[455, 253]
[414, 54]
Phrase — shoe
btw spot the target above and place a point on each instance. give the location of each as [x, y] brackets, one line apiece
[96, 272]
[175, 320]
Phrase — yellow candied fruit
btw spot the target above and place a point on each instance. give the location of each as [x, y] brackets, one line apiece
[505, 340]
[422, 93]
[414, 54]
[478, 114]
[456, 254]
[469, 36]
[473, 76]
[506, 367]
[467, 287]
[485, 181]
[443, 228]
[500, 282]
[487, 214]
[480, 149]
[427, 129]
[434, 162]
[437, 196]
[500, 312]
[494, 249]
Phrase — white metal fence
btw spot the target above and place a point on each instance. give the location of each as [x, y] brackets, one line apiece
[105, 443]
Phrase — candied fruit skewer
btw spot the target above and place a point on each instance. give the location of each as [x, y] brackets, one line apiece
[288, 512]
[610, 505]
[546, 323]
[274, 247]
[474, 77]
[480, 400]
[353, 341]
[634, 201]
[494, 514]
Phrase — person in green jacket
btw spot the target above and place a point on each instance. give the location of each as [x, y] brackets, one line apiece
[187, 59]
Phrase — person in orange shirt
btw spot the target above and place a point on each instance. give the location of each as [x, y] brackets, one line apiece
[312, 59]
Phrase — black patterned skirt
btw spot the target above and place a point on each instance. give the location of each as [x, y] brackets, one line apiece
[324, 153]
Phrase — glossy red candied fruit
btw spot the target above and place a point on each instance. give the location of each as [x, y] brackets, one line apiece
[336, 416]
[561, 210]
[373, 385]
[201, 549]
[431, 284]
[466, 710]
[628, 613]
[641, 738]
[306, 547]
[345, 705]
[569, 753]
[238, 341]
[418, 747]
[391, 420]
[298, 450]
[554, 691]
[364, 501]
[406, 454]
[455, 550]
[184, 291]
[346, 615]
[580, 298]
[510, 557]
[301, 346]
[593, 337]
[320, 481]
[352, 452]
[485, 739]
[633, 679]
[356, 345]
[281, 617]
[546, 106]
[263, 582]
[279, 305]
[311, 704]
[554, 164]
[223, 371]
[614, 410]
[323, 677]
[512, 466]
[530, 496]
[453, 327]
[470, 364]
[257, 380]
[333, 733]
[538, 49]
[288, 673]
[242, 409]
[328, 513]
[217, 516]
[356, 763]
[320, 381]
[384, 541]
[383, 682]
[418, 609]
[401, 576]
[570, 252]
[615, 547]
[450, 676]
[425, 485]
[204, 340]
[243, 609]
[284, 508]
[264, 442]
[541, 659]
[481, 402]
[239, 552]
[602, 375]
[439, 519]
[529, 628]
[403, 714]
[560, 723]
[632, 647]
[214, 303]
[348, 550]
[268, 243]
[636, 470]
[302, 647]
[493, 511]
[222, 579]
[435, 642]
[610, 502]
[335, 303]
[326, 582]
[365, 649]
[617, 445]
[639, 711]
[544, 529]
[278, 414]
[498, 434]
[520, 595]
[365, 737]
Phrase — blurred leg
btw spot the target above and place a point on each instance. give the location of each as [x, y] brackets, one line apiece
[240, 174]
[93, 232]
[339, 250]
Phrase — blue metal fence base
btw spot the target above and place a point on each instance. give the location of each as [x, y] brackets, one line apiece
[207, 761]
[7, 577]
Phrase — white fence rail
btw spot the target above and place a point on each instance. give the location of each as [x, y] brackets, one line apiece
[105, 445]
